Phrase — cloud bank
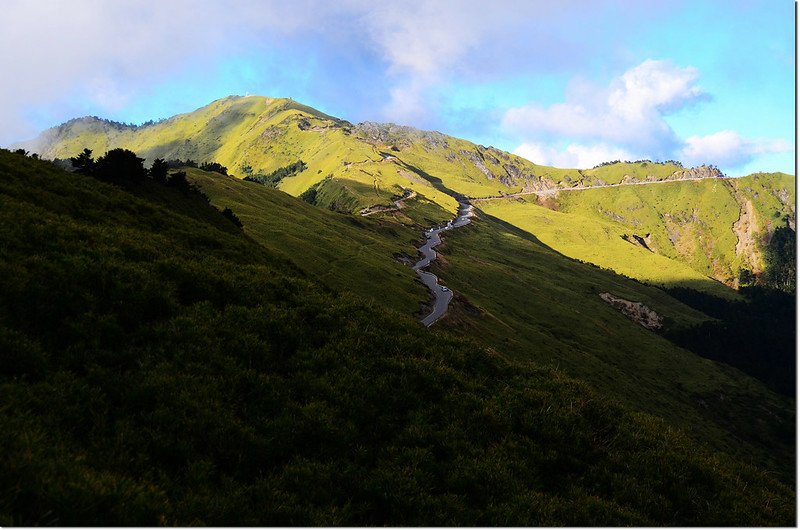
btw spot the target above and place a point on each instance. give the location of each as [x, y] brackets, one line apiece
[362, 59]
[626, 121]
[727, 148]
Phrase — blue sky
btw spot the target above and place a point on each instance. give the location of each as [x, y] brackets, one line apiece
[570, 83]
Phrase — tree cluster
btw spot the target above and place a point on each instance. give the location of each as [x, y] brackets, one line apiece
[214, 166]
[23, 152]
[272, 179]
[780, 272]
[756, 336]
[175, 163]
[122, 166]
[643, 162]
[780, 260]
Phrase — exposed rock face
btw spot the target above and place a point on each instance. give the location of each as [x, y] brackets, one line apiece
[644, 242]
[613, 216]
[681, 230]
[747, 235]
[477, 161]
[636, 311]
[272, 132]
[399, 135]
[699, 172]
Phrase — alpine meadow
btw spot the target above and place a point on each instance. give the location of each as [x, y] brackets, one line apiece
[257, 313]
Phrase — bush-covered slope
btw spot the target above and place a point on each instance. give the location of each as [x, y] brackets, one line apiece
[158, 367]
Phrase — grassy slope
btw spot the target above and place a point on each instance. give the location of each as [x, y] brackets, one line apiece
[597, 239]
[369, 164]
[522, 298]
[687, 221]
[341, 251]
[158, 367]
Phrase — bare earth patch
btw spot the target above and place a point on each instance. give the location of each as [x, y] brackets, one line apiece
[636, 311]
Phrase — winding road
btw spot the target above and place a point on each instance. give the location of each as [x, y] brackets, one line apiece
[399, 204]
[442, 295]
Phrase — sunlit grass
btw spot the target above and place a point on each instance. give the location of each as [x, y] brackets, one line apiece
[599, 241]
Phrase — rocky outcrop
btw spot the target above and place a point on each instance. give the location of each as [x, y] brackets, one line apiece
[699, 172]
[399, 135]
[747, 236]
[682, 228]
[477, 161]
[645, 242]
[636, 311]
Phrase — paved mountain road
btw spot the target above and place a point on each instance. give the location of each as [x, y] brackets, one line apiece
[441, 296]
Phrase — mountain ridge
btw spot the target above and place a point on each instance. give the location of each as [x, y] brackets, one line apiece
[386, 131]
[368, 165]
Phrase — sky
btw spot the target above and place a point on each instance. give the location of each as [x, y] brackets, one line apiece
[571, 83]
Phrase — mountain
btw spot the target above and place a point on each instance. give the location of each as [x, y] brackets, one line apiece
[697, 231]
[552, 278]
[161, 366]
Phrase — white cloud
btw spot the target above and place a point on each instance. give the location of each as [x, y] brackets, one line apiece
[625, 121]
[407, 104]
[54, 51]
[728, 149]
[422, 37]
[573, 156]
[628, 113]
[653, 87]
[105, 53]
[423, 42]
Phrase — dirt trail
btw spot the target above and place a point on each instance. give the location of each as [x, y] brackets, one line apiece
[399, 204]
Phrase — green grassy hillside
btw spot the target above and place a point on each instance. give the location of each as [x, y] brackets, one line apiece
[599, 240]
[715, 226]
[712, 228]
[520, 297]
[367, 163]
[532, 304]
[341, 251]
[159, 367]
